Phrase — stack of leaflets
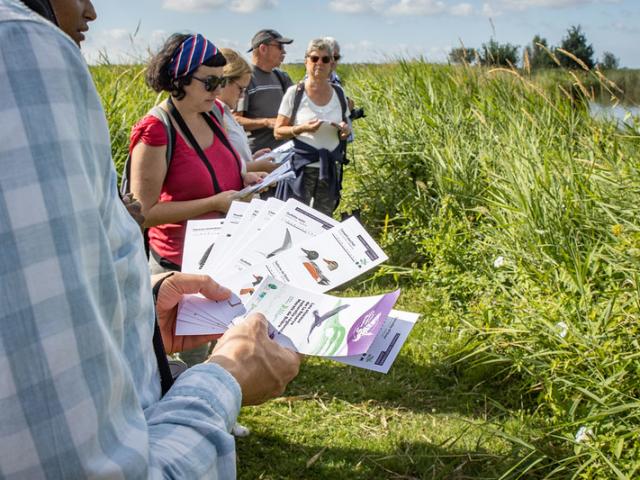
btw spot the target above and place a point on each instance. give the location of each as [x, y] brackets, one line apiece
[278, 258]
[283, 172]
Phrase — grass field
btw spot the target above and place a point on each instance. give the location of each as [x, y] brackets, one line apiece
[511, 220]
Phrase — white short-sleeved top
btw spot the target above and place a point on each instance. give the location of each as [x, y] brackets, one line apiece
[327, 135]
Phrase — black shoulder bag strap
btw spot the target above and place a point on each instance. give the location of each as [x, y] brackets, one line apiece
[218, 132]
[187, 133]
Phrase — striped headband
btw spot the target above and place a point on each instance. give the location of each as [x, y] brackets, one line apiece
[192, 53]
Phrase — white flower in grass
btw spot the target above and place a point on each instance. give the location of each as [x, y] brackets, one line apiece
[562, 329]
[498, 262]
[583, 434]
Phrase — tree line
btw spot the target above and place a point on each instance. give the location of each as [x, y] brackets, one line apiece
[574, 51]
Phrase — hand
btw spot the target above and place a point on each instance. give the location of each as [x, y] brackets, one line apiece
[222, 201]
[261, 366]
[134, 207]
[311, 126]
[261, 152]
[251, 178]
[269, 123]
[344, 130]
[171, 292]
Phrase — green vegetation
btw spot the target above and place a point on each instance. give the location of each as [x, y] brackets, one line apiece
[510, 218]
[574, 53]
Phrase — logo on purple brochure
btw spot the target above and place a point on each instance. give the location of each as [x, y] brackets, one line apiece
[364, 331]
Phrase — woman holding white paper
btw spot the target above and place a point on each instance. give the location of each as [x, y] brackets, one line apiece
[314, 114]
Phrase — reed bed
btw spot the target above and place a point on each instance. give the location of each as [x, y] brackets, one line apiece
[511, 219]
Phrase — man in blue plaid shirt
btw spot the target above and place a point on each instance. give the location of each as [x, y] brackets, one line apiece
[79, 385]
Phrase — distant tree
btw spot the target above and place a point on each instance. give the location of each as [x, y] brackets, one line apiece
[462, 55]
[538, 54]
[609, 61]
[576, 43]
[498, 54]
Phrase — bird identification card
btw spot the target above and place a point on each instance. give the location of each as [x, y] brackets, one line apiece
[317, 324]
[293, 224]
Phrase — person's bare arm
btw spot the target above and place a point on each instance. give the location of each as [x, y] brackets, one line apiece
[148, 170]
[283, 129]
[250, 124]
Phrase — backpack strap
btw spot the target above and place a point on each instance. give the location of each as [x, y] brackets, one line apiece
[300, 92]
[343, 100]
[296, 101]
[281, 78]
[163, 116]
[217, 113]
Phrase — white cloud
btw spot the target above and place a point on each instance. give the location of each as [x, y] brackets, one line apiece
[497, 7]
[417, 7]
[462, 10]
[193, 5]
[367, 51]
[121, 46]
[400, 7]
[356, 6]
[250, 6]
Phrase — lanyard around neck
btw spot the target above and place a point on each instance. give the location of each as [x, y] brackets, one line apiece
[189, 136]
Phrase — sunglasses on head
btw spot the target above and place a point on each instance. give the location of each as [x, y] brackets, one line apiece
[211, 82]
[315, 58]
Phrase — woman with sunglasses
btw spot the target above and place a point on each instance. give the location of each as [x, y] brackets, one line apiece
[313, 113]
[238, 74]
[204, 169]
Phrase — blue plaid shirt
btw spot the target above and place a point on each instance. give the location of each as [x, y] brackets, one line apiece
[79, 384]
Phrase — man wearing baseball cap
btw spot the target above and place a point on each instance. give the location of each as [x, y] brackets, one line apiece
[258, 108]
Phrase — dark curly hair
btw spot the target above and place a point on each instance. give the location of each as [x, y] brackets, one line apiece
[157, 72]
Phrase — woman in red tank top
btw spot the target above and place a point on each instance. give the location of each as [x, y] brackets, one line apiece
[200, 179]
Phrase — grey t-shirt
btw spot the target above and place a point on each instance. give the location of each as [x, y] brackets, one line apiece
[262, 100]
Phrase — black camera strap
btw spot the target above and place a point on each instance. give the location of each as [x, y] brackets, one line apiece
[189, 136]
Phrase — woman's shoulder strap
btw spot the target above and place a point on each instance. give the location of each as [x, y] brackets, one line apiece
[162, 115]
[296, 101]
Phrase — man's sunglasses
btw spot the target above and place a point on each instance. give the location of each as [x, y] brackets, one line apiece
[337, 57]
[278, 45]
[315, 58]
[212, 82]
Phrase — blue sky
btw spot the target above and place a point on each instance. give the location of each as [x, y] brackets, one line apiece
[368, 30]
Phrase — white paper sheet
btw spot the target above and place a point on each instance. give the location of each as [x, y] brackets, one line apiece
[280, 154]
[318, 264]
[199, 242]
[294, 224]
[385, 348]
[232, 220]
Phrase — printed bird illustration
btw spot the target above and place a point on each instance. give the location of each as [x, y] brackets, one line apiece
[205, 256]
[320, 319]
[258, 279]
[316, 273]
[286, 244]
[331, 264]
[311, 254]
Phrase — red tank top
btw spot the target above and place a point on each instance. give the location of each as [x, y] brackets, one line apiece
[187, 179]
